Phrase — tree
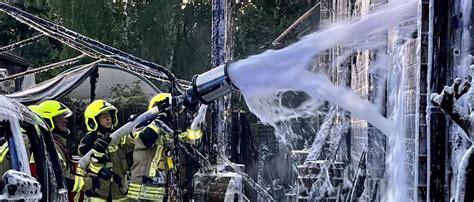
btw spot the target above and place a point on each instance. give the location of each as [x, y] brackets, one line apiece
[129, 100]
[44, 51]
[259, 23]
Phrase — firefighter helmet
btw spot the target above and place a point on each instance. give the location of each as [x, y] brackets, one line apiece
[158, 98]
[50, 109]
[94, 109]
[33, 108]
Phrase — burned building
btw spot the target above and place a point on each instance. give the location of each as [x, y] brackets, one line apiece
[336, 155]
[428, 143]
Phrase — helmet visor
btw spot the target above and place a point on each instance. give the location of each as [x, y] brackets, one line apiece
[67, 113]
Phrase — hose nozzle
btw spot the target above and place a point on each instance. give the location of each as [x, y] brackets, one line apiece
[210, 86]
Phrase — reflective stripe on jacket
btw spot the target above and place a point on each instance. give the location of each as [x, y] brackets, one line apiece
[117, 160]
[149, 164]
[74, 183]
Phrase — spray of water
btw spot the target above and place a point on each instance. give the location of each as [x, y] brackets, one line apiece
[277, 71]
[460, 151]
[264, 78]
[200, 117]
[396, 157]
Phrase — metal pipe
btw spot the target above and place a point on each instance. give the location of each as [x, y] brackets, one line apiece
[63, 63]
[21, 43]
[296, 23]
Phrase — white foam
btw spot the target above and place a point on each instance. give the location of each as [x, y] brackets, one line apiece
[262, 78]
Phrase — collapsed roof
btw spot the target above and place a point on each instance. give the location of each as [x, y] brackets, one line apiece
[76, 82]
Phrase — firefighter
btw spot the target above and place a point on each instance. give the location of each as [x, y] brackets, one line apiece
[55, 115]
[152, 154]
[5, 163]
[101, 121]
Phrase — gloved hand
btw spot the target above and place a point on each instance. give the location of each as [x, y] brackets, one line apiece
[103, 177]
[102, 144]
[132, 117]
[190, 136]
[105, 173]
[95, 183]
[163, 105]
[98, 151]
[166, 117]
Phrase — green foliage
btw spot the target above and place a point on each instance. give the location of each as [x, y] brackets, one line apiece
[260, 22]
[193, 48]
[130, 99]
[11, 30]
[101, 20]
[257, 24]
[160, 31]
[40, 53]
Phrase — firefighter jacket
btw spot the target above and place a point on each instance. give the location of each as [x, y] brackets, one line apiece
[74, 182]
[151, 160]
[116, 189]
[5, 162]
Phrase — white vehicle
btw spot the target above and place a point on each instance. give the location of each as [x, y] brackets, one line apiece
[33, 172]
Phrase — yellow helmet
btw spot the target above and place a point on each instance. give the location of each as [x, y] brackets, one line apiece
[94, 109]
[158, 98]
[50, 109]
[33, 108]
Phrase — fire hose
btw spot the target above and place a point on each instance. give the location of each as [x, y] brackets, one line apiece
[122, 131]
[206, 88]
